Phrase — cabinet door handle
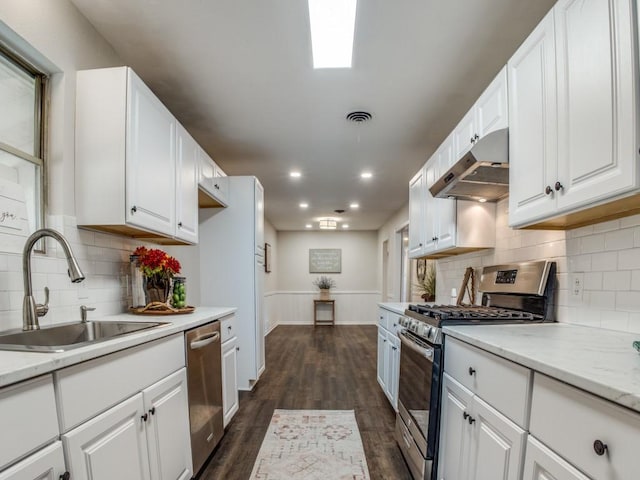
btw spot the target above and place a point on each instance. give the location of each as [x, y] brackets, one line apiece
[472, 371]
[144, 417]
[65, 476]
[558, 186]
[471, 420]
[152, 410]
[134, 209]
[548, 190]
[600, 448]
[465, 415]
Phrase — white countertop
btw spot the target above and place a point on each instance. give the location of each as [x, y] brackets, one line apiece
[395, 307]
[599, 361]
[17, 366]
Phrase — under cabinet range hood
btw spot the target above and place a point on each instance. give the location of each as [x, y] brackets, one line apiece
[482, 174]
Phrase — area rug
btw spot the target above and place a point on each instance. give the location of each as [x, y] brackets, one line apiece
[311, 445]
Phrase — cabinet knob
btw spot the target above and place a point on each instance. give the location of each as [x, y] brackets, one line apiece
[558, 186]
[180, 224]
[229, 328]
[134, 209]
[152, 410]
[394, 348]
[237, 349]
[471, 420]
[599, 447]
[217, 186]
[472, 371]
[471, 140]
[465, 415]
[65, 476]
[144, 417]
[548, 190]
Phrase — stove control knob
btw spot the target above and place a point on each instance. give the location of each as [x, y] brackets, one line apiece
[432, 332]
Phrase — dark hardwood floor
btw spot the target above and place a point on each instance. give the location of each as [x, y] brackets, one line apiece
[331, 368]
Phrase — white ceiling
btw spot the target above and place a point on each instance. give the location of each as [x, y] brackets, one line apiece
[238, 75]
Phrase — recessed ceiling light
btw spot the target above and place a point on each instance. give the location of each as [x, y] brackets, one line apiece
[354, 205]
[304, 205]
[366, 175]
[332, 25]
[345, 225]
[295, 174]
[308, 225]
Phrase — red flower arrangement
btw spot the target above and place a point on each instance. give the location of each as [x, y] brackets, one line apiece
[155, 262]
[158, 268]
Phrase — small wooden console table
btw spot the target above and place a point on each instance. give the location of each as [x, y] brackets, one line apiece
[324, 321]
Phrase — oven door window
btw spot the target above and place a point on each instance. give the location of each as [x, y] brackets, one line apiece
[419, 384]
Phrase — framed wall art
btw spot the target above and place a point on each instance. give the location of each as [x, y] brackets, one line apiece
[325, 260]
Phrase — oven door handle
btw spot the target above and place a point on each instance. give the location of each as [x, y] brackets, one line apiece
[426, 352]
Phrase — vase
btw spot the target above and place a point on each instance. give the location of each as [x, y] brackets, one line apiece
[324, 294]
[156, 289]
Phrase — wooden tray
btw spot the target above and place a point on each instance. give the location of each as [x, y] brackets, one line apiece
[159, 308]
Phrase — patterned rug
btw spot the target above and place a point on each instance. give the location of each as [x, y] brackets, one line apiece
[311, 445]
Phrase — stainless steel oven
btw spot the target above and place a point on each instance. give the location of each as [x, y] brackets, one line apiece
[513, 293]
[418, 402]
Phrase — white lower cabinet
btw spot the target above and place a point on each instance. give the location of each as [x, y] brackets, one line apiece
[230, 400]
[46, 464]
[143, 437]
[477, 442]
[388, 371]
[543, 464]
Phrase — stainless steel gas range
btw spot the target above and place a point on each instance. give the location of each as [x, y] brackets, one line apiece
[511, 294]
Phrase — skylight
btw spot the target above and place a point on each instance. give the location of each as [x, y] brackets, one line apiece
[332, 26]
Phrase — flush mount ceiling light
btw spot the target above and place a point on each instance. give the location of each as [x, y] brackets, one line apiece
[328, 224]
[308, 225]
[295, 174]
[304, 205]
[366, 175]
[354, 206]
[332, 26]
[345, 225]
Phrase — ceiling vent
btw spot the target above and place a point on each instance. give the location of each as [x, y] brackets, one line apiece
[359, 116]
[339, 211]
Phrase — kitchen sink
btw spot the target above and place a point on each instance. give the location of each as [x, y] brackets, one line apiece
[60, 338]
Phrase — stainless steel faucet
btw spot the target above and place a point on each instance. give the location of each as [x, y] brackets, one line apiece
[30, 310]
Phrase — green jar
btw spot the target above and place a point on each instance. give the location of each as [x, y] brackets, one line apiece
[179, 293]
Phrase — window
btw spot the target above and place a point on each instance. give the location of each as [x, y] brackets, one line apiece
[22, 93]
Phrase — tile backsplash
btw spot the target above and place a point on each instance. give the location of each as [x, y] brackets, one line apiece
[103, 258]
[598, 268]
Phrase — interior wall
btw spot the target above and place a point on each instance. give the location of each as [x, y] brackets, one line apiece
[271, 305]
[389, 232]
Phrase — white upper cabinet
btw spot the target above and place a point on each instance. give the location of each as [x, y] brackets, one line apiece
[488, 114]
[213, 185]
[572, 96]
[533, 146]
[126, 151]
[186, 186]
[417, 192]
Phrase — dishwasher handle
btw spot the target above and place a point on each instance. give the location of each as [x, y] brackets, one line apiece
[204, 340]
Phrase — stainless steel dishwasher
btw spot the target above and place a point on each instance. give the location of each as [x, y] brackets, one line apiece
[204, 372]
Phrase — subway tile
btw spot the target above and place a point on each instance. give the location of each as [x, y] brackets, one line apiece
[629, 259]
[606, 226]
[574, 246]
[580, 263]
[632, 221]
[613, 320]
[581, 232]
[592, 281]
[627, 301]
[602, 300]
[593, 243]
[603, 262]
[620, 280]
[635, 280]
[634, 323]
[619, 239]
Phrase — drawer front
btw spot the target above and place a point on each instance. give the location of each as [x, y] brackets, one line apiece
[393, 322]
[499, 382]
[27, 418]
[86, 389]
[410, 450]
[45, 464]
[228, 328]
[570, 421]
[382, 317]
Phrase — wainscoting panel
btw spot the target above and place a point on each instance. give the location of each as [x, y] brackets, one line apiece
[271, 311]
[296, 308]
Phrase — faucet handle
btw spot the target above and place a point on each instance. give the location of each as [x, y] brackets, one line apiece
[42, 309]
[83, 312]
